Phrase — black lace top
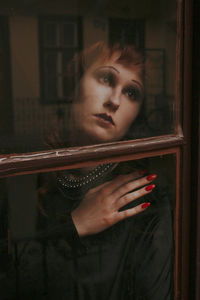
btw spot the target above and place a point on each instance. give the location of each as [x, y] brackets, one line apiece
[131, 260]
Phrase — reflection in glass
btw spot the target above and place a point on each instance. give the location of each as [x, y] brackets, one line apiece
[95, 233]
[35, 86]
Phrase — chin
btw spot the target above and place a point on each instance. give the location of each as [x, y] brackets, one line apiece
[89, 136]
[99, 139]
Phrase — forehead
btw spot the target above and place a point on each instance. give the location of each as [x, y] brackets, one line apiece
[126, 63]
[124, 67]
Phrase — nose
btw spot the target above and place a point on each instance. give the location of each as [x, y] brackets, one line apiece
[113, 100]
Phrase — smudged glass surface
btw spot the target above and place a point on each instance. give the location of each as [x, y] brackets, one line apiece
[38, 41]
[42, 254]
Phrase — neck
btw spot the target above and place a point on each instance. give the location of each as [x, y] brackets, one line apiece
[78, 138]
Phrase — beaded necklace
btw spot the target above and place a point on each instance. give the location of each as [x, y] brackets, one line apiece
[92, 176]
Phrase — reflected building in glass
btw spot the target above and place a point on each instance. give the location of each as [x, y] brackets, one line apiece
[39, 41]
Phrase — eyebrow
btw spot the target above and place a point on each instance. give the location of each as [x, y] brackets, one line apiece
[137, 82]
[111, 67]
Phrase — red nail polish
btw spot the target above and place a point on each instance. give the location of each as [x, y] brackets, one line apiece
[145, 205]
[150, 187]
[151, 177]
[142, 172]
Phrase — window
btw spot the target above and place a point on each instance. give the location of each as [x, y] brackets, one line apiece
[161, 139]
[60, 38]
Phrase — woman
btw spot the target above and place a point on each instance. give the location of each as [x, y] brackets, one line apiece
[101, 235]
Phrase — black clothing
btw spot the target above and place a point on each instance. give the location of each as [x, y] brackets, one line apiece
[131, 260]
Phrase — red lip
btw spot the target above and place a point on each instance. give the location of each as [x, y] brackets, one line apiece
[106, 118]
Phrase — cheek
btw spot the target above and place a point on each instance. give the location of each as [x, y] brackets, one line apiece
[130, 114]
[92, 91]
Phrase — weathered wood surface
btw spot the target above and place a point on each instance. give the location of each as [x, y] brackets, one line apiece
[14, 164]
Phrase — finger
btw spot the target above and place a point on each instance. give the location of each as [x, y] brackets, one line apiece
[127, 187]
[120, 180]
[116, 182]
[134, 195]
[133, 211]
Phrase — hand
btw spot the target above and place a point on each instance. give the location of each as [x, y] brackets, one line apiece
[100, 207]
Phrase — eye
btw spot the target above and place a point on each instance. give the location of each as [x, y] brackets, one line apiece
[106, 78]
[132, 93]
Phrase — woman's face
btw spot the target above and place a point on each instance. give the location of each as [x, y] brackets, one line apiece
[108, 101]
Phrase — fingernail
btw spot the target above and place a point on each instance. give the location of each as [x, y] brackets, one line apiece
[151, 177]
[142, 172]
[150, 187]
[145, 205]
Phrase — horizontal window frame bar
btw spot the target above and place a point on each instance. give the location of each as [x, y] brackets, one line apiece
[68, 158]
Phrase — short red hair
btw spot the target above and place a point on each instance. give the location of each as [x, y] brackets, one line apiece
[129, 56]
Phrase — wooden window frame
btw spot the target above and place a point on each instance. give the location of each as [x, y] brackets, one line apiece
[195, 160]
[178, 143]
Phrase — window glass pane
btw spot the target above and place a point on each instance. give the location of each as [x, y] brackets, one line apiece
[68, 85]
[50, 34]
[68, 34]
[128, 31]
[51, 65]
[117, 245]
[108, 67]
